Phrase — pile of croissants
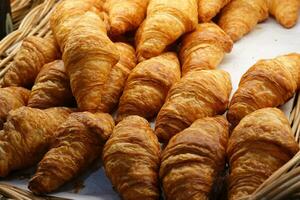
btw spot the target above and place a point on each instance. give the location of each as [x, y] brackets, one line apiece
[146, 60]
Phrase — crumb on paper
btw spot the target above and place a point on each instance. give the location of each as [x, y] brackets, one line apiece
[78, 186]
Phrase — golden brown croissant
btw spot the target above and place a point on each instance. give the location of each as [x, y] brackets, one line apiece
[193, 159]
[166, 21]
[209, 9]
[269, 83]
[11, 98]
[131, 159]
[286, 12]
[239, 17]
[79, 142]
[52, 87]
[27, 135]
[67, 14]
[148, 85]
[88, 74]
[198, 94]
[125, 15]
[33, 54]
[259, 145]
[204, 48]
[112, 89]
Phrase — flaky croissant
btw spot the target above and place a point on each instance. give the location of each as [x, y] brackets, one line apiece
[259, 145]
[198, 94]
[204, 48]
[33, 54]
[27, 135]
[286, 12]
[131, 159]
[79, 142]
[166, 21]
[52, 87]
[239, 17]
[193, 159]
[125, 15]
[269, 83]
[148, 85]
[67, 14]
[88, 74]
[113, 88]
[11, 98]
[209, 9]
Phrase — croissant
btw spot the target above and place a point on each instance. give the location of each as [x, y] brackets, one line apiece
[209, 9]
[33, 54]
[125, 15]
[269, 83]
[113, 88]
[166, 21]
[26, 136]
[89, 74]
[259, 145]
[194, 158]
[79, 142]
[286, 12]
[197, 95]
[204, 48]
[148, 85]
[131, 159]
[67, 14]
[52, 87]
[11, 98]
[239, 17]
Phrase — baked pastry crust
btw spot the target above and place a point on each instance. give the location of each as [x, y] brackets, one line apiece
[131, 159]
[194, 158]
[286, 12]
[11, 98]
[269, 83]
[52, 87]
[166, 21]
[114, 86]
[33, 54]
[258, 146]
[26, 136]
[88, 74]
[197, 95]
[240, 17]
[147, 86]
[204, 48]
[125, 15]
[79, 142]
[209, 9]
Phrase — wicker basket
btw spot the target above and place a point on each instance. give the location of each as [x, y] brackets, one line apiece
[283, 184]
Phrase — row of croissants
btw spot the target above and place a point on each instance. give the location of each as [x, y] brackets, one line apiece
[88, 63]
